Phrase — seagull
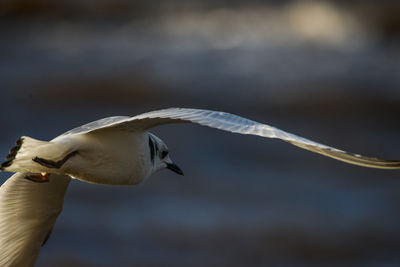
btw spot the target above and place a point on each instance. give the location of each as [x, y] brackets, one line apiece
[116, 150]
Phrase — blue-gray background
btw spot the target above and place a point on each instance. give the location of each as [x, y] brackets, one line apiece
[328, 71]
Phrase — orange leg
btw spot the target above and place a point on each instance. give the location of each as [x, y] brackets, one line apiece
[39, 178]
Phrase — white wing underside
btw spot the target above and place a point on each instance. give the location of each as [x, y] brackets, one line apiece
[28, 212]
[231, 123]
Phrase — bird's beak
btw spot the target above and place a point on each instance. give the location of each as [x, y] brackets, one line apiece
[173, 167]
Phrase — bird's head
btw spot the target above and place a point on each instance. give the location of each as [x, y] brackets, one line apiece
[159, 155]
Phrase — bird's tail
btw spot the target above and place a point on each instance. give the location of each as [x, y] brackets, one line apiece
[31, 155]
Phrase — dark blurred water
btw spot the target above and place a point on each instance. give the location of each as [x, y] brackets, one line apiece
[244, 201]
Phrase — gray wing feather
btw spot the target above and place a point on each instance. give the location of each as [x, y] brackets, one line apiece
[236, 124]
[95, 125]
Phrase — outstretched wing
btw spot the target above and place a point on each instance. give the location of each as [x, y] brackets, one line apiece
[94, 125]
[236, 124]
[28, 213]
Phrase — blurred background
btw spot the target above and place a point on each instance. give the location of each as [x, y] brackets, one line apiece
[325, 70]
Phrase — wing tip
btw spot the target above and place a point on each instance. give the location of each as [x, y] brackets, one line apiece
[12, 154]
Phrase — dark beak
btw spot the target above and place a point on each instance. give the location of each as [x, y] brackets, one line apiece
[173, 167]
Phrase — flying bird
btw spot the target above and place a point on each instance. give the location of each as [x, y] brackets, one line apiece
[113, 151]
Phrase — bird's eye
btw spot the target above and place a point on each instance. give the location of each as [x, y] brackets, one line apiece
[164, 154]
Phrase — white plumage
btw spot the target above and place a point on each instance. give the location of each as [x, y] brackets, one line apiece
[115, 150]
[28, 212]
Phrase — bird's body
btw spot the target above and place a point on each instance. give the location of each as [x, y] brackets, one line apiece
[116, 150]
[108, 157]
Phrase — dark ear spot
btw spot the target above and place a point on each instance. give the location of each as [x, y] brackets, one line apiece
[151, 146]
[156, 146]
